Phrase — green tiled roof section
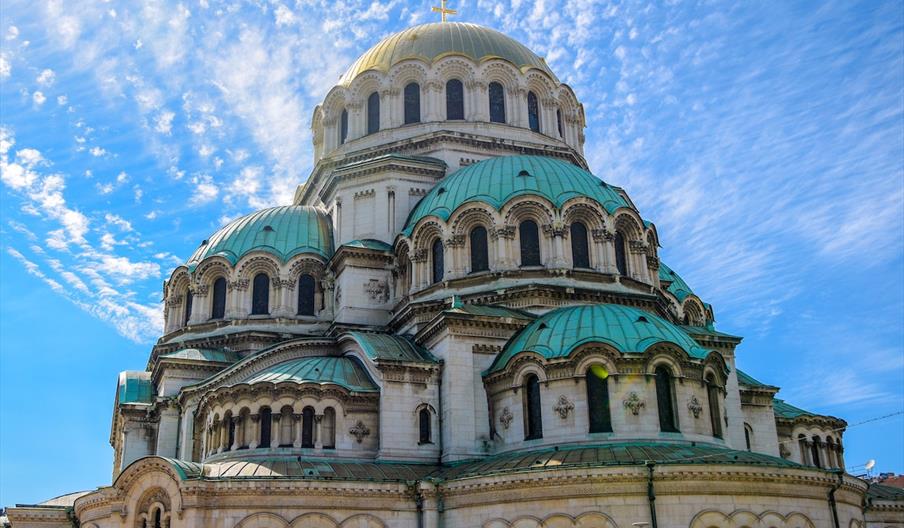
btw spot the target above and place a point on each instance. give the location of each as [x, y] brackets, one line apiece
[749, 381]
[317, 469]
[343, 371]
[217, 355]
[496, 181]
[886, 493]
[281, 231]
[369, 243]
[433, 41]
[493, 311]
[135, 387]
[627, 329]
[706, 330]
[784, 409]
[678, 287]
[390, 347]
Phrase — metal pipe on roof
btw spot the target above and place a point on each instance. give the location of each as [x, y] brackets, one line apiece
[832, 505]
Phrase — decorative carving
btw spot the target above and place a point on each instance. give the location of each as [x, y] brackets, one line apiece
[556, 229]
[783, 451]
[202, 289]
[637, 246]
[338, 295]
[238, 285]
[505, 231]
[377, 290]
[694, 406]
[634, 403]
[420, 255]
[506, 417]
[563, 406]
[653, 262]
[602, 235]
[359, 431]
[455, 241]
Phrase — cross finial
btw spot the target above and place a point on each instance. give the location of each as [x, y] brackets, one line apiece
[443, 11]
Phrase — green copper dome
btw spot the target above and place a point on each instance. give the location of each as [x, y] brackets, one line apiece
[430, 42]
[497, 180]
[282, 231]
[627, 329]
[343, 371]
[678, 287]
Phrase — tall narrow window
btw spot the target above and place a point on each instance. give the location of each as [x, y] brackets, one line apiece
[307, 427]
[712, 395]
[533, 112]
[189, 297]
[804, 447]
[230, 431]
[266, 421]
[455, 100]
[343, 126]
[665, 401]
[533, 418]
[598, 399]
[218, 304]
[158, 518]
[260, 295]
[748, 434]
[580, 250]
[423, 418]
[814, 452]
[621, 261]
[412, 103]
[328, 428]
[373, 113]
[438, 264]
[529, 237]
[305, 295]
[479, 257]
[497, 103]
[559, 123]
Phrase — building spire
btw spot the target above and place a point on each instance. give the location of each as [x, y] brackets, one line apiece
[443, 11]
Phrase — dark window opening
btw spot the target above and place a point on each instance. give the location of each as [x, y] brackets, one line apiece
[373, 113]
[814, 452]
[497, 103]
[665, 401]
[260, 295]
[438, 264]
[305, 295]
[621, 261]
[529, 236]
[580, 250]
[715, 418]
[412, 103]
[231, 432]
[559, 123]
[455, 100]
[343, 126]
[328, 428]
[266, 421]
[533, 426]
[424, 426]
[189, 297]
[158, 519]
[747, 436]
[218, 305]
[479, 254]
[533, 111]
[598, 399]
[307, 427]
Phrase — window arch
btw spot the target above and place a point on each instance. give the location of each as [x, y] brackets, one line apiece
[412, 103]
[218, 304]
[497, 103]
[373, 113]
[621, 258]
[533, 111]
[186, 315]
[306, 293]
[559, 123]
[455, 99]
[580, 248]
[665, 401]
[260, 294]
[479, 254]
[598, 399]
[266, 422]
[712, 396]
[437, 257]
[533, 416]
[158, 518]
[230, 430]
[748, 436]
[307, 427]
[424, 426]
[814, 451]
[343, 126]
[328, 428]
[529, 237]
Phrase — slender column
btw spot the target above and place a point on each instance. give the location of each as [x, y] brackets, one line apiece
[237, 421]
[297, 421]
[317, 420]
[275, 429]
[255, 431]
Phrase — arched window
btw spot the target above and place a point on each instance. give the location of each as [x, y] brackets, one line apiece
[814, 451]
[479, 259]
[533, 418]
[189, 297]
[158, 522]
[260, 295]
[343, 126]
[804, 447]
[438, 264]
[231, 431]
[412, 103]
[712, 395]
[373, 113]
[830, 452]
[665, 401]
[218, 304]
[497, 103]
[305, 295]
[307, 427]
[533, 111]
[748, 436]
[580, 249]
[559, 123]
[266, 421]
[529, 237]
[455, 100]
[423, 419]
[328, 428]
[621, 260]
[286, 427]
[598, 399]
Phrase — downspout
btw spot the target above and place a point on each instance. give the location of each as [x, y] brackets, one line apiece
[439, 412]
[832, 504]
[651, 495]
[419, 504]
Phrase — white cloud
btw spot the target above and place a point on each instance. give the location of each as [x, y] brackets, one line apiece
[12, 33]
[205, 191]
[38, 98]
[118, 221]
[46, 77]
[62, 100]
[97, 152]
[104, 188]
[6, 68]
[164, 122]
[284, 15]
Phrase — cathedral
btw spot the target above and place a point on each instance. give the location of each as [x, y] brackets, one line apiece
[455, 324]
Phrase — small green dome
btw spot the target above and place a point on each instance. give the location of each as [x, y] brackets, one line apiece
[497, 180]
[343, 371]
[282, 231]
[678, 287]
[627, 329]
[429, 42]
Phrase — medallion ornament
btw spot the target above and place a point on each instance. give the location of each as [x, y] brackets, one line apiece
[634, 403]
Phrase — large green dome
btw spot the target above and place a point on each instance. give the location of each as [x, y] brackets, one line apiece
[281, 231]
[429, 42]
[627, 329]
[497, 180]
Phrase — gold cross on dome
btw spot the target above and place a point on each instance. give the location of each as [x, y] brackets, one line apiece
[443, 11]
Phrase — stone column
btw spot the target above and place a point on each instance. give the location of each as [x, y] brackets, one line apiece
[237, 422]
[285, 296]
[223, 436]
[518, 116]
[275, 418]
[317, 442]
[255, 431]
[433, 110]
[297, 422]
[356, 120]
[199, 305]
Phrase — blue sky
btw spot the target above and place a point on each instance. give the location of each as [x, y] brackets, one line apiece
[764, 139]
